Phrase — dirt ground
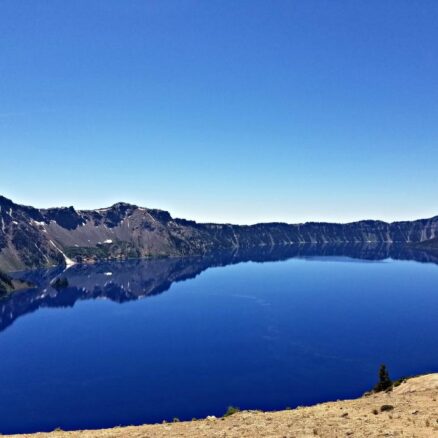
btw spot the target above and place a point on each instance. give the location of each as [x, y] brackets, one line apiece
[412, 411]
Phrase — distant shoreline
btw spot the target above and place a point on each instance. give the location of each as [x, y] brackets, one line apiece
[33, 238]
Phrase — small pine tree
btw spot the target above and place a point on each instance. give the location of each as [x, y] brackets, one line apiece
[384, 380]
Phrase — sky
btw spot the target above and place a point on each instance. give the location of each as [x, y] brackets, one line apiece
[227, 111]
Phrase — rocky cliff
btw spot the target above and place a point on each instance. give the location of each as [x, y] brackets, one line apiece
[31, 237]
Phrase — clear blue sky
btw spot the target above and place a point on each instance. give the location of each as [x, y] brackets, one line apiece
[235, 111]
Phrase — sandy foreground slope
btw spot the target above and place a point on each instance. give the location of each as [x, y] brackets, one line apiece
[414, 413]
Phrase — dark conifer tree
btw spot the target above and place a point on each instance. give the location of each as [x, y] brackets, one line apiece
[384, 380]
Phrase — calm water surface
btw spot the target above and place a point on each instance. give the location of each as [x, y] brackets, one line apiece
[136, 342]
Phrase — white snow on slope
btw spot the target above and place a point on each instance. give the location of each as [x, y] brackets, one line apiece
[68, 261]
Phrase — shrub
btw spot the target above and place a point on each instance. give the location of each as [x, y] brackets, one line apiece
[231, 410]
[384, 408]
[398, 382]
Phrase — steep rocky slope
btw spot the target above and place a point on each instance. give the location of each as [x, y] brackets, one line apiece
[431, 244]
[31, 237]
[410, 410]
[6, 284]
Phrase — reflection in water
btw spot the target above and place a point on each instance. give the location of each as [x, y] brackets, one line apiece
[134, 279]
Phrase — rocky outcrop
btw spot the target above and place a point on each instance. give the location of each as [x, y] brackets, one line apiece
[31, 237]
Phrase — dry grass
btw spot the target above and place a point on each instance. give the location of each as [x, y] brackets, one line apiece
[414, 414]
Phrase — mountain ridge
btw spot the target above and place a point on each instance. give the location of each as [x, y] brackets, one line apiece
[32, 237]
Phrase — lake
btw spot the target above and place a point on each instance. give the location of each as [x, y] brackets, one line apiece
[145, 341]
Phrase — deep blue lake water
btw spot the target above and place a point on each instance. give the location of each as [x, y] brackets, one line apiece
[143, 341]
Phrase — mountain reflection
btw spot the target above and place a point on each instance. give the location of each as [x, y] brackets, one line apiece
[135, 279]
